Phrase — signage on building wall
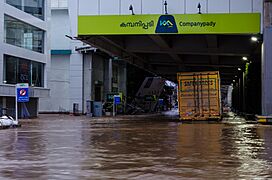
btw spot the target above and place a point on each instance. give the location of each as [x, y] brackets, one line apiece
[22, 92]
[117, 99]
[166, 24]
[240, 23]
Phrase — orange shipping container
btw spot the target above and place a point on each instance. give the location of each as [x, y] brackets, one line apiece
[199, 95]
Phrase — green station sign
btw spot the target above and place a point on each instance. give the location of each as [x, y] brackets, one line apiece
[240, 23]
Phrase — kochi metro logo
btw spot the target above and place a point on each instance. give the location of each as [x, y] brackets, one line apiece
[166, 24]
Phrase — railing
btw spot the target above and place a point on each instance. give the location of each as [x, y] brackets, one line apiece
[59, 3]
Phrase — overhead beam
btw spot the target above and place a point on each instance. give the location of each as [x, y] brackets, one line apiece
[107, 48]
[115, 51]
[196, 64]
[116, 41]
[165, 46]
[113, 48]
[212, 43]
[121, 46]
[224, 80]
[206, 52]
[214, 65]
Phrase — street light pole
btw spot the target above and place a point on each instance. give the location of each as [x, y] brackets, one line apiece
[165, 7]
[199, 8]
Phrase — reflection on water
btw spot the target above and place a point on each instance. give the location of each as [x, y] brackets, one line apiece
[64, 147]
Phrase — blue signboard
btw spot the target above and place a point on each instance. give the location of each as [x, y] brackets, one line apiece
[117, 100]
[22, 93]
[161, 102]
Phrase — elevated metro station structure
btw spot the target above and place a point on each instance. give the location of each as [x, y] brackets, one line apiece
[166, 37]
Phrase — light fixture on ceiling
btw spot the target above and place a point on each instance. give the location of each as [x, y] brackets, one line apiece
[245, 58]
[239, 69]
[254, 39]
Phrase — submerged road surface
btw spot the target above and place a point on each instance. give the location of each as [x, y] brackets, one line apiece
[67, 147]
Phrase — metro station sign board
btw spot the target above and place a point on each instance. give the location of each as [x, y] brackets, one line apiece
[240, 23]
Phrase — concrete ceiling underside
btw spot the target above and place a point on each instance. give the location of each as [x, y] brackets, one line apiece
[165, 55]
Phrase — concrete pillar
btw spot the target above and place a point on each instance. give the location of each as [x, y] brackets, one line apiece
[229, 97]
[108, 76]
[87, 77]
[243, 92]
[267, 72]
[1, 40]
[239, 95]
[123, 78]
[76, 81]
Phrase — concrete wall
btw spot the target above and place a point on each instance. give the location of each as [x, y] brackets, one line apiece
[98, 74]
[267, 72]
[60, 26]
[122, 79]
[73, 12]
[88, 71]
[59, 76]
[76, 80]
[103, 7]
[107, 77]
[66, 72]
[59, 83]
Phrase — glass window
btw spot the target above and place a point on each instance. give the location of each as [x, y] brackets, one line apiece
[33, 7]
[23, 35]
[59, 4]
[18, 70]
[10, 70]
[37, 74]
[24, 73]
[15, 3]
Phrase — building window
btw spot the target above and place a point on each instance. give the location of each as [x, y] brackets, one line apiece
[23, 35]
[33, 7]
[18, 70]
[59, 4]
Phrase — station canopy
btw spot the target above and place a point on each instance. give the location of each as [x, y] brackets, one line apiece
[167, 44]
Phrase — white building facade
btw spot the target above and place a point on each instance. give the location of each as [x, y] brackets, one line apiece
[24, 51]
[115, 7]
[78, 73]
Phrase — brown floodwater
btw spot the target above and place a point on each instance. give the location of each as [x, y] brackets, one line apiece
[67, 147]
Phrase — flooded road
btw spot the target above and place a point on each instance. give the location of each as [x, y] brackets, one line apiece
[67, 147]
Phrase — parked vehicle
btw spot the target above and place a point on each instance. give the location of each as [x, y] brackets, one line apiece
[7, 121]
[199, 95]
